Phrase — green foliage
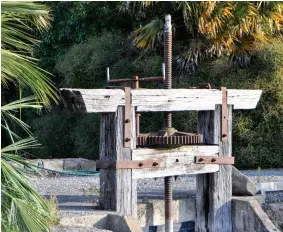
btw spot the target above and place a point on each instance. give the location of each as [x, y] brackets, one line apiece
[65, 135]
[23, 209]
[84, 65]
[207, 28]
[75, 22]
[18, 65]
[257, 134]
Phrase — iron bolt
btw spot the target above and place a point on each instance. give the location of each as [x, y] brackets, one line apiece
[213, 160]
[224, 135]
[155, 164]
[141, 164]
[127, 120]
[200, 159]
[127, 139]
[177, 160]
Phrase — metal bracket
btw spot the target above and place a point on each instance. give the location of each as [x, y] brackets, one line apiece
[129, 164]
[214, 160]
[127, 118]
[224, 114]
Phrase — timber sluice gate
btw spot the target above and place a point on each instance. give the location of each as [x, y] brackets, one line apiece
[127, 155]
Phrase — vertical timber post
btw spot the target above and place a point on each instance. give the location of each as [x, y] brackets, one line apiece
[117, 188]
[214, 191]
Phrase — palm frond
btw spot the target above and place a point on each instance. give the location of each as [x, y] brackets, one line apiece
[25, 209]
[18, 65]
[9, 110]
[149, 35]
[22, 70]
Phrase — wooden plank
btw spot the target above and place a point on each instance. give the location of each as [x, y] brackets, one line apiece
[100, 100]
[177, 161]
[214, 160]
[127, 120]
[116, 186]
[243, 99]
[214, 191]
[175, 99]
[107, 100]
[133, 164]
[191, 99]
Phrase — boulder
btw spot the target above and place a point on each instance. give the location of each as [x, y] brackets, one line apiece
[242, 185]
[275, 213]
[88, 164]
[72, 164]
[53, 164]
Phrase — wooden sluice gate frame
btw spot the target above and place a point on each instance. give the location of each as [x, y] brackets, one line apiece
[122, 163]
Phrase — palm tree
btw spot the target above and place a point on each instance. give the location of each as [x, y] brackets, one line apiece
[208, 28]
[22, 208]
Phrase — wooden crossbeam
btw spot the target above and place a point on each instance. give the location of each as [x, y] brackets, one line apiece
[153, 100]
[177, 161]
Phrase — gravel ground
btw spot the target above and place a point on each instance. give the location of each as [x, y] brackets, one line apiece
[76, 229]
[78, 195]
[80, 188]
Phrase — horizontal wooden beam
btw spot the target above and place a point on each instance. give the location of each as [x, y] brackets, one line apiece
[152, 100]
[177, 161]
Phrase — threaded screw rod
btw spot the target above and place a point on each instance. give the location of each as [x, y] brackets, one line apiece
[168, 64]
[168, 120]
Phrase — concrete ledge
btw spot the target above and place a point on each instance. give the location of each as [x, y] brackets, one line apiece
[248, 216]
[151, 212]
[104, 220]
[65, 164]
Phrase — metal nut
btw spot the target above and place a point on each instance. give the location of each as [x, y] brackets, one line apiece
[200, 159]
[140, 164]
[127, 120]
[213, 160]
[155, 164]
[127, 139]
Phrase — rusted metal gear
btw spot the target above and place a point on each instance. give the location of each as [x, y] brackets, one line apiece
[150, 139]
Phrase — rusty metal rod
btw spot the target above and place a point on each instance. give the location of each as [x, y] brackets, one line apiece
[160, 78]
[168, 204]
[168, 64]
[168, 119]
[136, 86]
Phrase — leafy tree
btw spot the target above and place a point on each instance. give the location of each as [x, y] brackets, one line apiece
[207, 28]
[22, 208]
[73, 23]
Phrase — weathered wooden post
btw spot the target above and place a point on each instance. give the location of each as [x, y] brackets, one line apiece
[214, 190]
[117, 187]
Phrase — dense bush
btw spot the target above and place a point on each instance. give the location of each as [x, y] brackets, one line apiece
[257, 134]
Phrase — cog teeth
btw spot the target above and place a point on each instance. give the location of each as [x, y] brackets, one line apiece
[173, 140]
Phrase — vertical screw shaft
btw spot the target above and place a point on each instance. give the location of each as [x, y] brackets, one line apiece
[168, 119]
[168, 64]
[168, 204]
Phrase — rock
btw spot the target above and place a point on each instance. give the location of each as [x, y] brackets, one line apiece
[242, 185]
[88, 164]
[72, 164]
[275, 213]
[53, 164]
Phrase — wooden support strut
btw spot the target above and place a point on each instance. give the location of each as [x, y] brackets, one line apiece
[214, 160]
[224, 113]
[127, 122]
[142, 164]
[133, 164]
